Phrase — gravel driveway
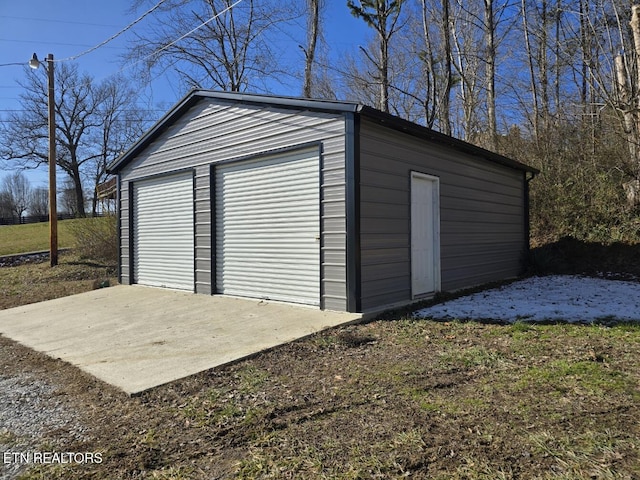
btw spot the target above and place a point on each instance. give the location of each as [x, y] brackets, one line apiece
[30, 410]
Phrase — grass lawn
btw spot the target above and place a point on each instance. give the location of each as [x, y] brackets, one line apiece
[33, 237]
[394, 398]
[36, 282]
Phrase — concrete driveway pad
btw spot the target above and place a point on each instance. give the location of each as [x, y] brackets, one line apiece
[137, 338]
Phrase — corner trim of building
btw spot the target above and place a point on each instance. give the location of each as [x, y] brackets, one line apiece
[131, 230]
[352, 174]
[119, 226]
[214, 225]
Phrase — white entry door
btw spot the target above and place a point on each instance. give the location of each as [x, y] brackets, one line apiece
[425, 234]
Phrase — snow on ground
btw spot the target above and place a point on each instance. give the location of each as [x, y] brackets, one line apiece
[560, 297]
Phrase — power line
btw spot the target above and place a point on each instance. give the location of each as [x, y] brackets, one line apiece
[181, 38]
[48, 43]
[48, 20]
[74, 57]
[112, 37]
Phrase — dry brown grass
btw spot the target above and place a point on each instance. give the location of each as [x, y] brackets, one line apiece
[393, 398]
[416, 399]
[36, 282]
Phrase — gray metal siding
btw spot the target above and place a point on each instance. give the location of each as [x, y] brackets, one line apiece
[202, 211]
[211, 132]
[481, 215]
[124, 232]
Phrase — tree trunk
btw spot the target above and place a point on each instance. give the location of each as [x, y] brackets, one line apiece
[445, 111]
[635, 28]
[78, 193]
[630, 125]
[94, 203]
[312, 40]
[532, 76]
[384, 73]
[543, 67]
[490, 72]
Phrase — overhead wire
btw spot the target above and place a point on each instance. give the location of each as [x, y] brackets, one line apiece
[180, 38]
[128, 27]
[49, 20]
[115, 35]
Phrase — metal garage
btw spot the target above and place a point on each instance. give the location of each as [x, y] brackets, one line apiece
[163, 231]
[268, 228]
[324, 203]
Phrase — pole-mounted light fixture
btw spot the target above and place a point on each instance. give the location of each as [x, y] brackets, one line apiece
[53, 204]
[34, 62]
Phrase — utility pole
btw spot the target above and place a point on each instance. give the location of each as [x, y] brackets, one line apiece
[53, 203]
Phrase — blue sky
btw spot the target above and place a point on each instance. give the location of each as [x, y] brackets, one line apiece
[66, 28]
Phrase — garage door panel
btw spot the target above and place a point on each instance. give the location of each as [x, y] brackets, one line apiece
[267, 228]
[163, 232]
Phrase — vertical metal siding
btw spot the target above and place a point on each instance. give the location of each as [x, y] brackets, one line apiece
[212, 132]
[268, 229]
[481, 215]
[163, 231]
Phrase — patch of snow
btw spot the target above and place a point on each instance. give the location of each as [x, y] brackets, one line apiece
[554, 298]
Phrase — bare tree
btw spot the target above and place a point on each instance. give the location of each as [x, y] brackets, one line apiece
[607, 67]
[467, 60]
[25, 141]
[628, 88]
[545, 58]
[356, 80]
[5, 205]
[434, 52]
[382, 16]
[17, 192]
[313, 32]
[68, 202]
[83, 110]
[39, 202]
[231, 50]
[121, 125]
[490, 45]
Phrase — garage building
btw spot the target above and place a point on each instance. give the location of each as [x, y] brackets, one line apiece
[330, 204]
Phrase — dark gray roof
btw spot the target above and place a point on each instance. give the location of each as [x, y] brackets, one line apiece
[331, 106]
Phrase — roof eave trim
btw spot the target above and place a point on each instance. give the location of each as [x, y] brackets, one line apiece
[290, 102]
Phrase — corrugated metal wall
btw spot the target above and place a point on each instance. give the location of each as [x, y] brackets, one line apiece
[482, 215]
[268, 228]
[163, 234]
[213, 131]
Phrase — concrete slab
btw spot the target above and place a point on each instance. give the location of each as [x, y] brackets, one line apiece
[137, 338]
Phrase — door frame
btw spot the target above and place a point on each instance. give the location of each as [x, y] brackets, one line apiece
[435, 220]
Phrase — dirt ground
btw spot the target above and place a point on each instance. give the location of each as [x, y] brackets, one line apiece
[393, 398]
[387, 399]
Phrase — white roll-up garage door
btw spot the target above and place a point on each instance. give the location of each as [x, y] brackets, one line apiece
[268, 228]
[163, 231]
